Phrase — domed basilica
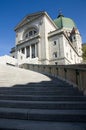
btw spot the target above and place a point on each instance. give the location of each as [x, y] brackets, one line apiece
[41, 40]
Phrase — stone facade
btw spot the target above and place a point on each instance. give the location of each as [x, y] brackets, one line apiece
[40, 41]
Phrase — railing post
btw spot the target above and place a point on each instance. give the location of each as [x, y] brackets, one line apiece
[65, 71]
[77, 77]
[56, 71]
[50, 70]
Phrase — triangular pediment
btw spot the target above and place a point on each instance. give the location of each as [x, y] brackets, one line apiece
[29, 18]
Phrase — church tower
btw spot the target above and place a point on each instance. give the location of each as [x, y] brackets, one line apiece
[76, 40]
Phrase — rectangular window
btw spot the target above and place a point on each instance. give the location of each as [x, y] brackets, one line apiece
[33, 51]
[27, 51]
[23, 50]
[36, 49]
[54, 43]
[56, 63]
[55, 54]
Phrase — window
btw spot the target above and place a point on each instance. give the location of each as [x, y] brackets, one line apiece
[23, 50]
[34, 31]
[30, 33]
[54, 43]
[33, 51]
[55, 54]
[27, 51]
[26, 36]
[74, 38]
[36, 49]
[56, 63]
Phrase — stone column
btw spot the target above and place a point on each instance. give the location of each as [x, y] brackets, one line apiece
[25, 52]
[30, 52]
[37, 53]
[35, 50]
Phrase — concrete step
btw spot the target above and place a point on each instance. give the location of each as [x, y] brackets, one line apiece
[62, 105]
[49, 89]
[58, 115]
[11, 113]
[58, 92]
[44, 115]
[42, 97]
[12, 124]
[41, 92]
[39, 98]
[46, 84]
[10, 76]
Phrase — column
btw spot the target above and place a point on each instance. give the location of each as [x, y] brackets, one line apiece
[36, 50]
[30, 52]
[25, 52]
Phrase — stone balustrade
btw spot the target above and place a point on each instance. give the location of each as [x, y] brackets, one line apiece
[75, 74]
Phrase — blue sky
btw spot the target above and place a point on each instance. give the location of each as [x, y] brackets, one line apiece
[13, 11]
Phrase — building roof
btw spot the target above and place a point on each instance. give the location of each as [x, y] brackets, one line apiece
[33, 16]
[64, 22]
[29, 18]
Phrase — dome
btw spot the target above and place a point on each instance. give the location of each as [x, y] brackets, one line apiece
[65, 22]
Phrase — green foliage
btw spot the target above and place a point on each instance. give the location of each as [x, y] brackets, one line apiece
[84, 52]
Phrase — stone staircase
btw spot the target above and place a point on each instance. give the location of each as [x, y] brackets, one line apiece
[37, 102]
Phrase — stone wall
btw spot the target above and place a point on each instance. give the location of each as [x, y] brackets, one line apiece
[6, 59]
[75, 74]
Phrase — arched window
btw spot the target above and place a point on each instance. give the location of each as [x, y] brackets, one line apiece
[30, 32]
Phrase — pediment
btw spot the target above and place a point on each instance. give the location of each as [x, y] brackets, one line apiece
[29, 18]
